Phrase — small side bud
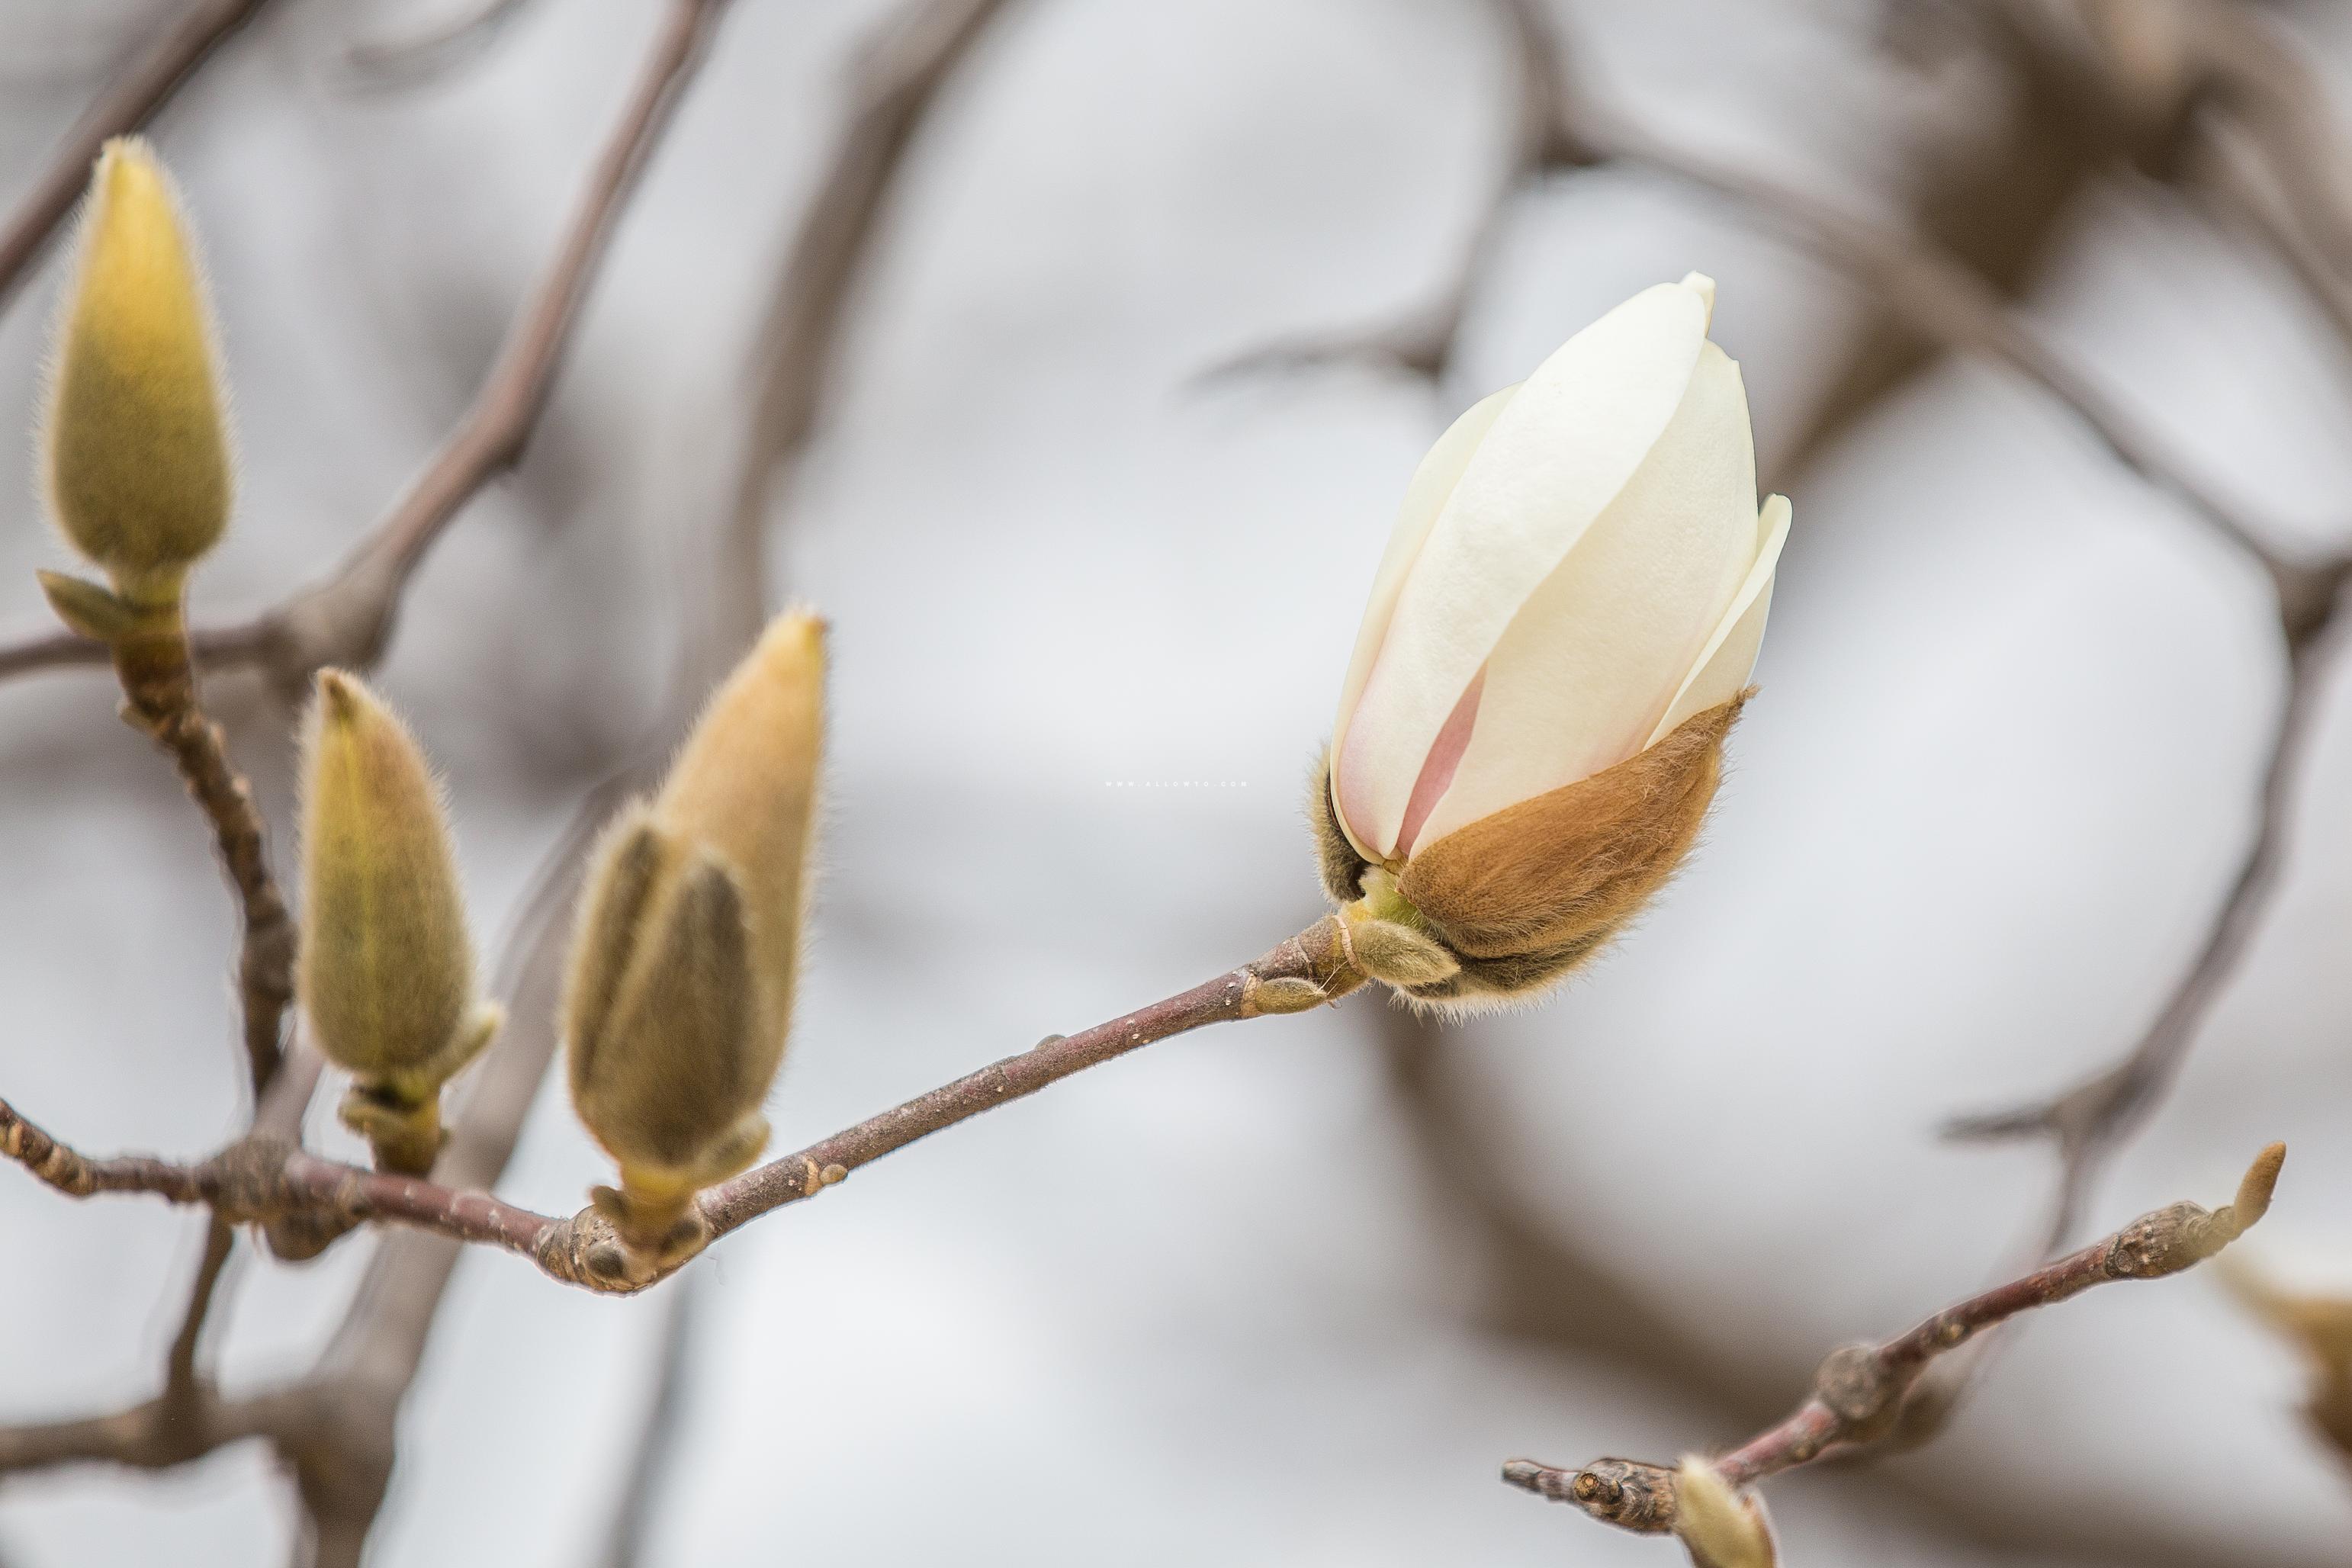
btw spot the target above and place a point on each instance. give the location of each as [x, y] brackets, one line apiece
[2183, 1234]
[135, 443]
[683, 966]
[386, 970]
[1395, 952]
[1282, 994]
[1720, 1527]
[90, 611]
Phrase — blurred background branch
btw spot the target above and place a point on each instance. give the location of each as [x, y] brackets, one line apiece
[128, 104]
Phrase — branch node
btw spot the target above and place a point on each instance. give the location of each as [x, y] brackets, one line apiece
[1861, 1390]
[2183, 1234]
[1628, 1493]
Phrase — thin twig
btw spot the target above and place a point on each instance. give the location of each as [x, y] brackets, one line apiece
[1858, 1392]
[2257, 79]
[655, 1456]
[436, 49]
[1425, 340]
[180, 1378]
[899, 81]
[128, 104]
[160, 697]
[347, 619]
[263, 1179]
[155, 1436]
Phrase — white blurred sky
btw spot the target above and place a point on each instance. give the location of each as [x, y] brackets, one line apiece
[1200, 1305]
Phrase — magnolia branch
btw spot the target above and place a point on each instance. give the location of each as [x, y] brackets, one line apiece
[347, 619]
[262, 1179]
[159, 690]
[1858, 1393]
[128, 104]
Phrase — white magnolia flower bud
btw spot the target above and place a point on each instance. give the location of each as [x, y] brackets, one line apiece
[1579, 572]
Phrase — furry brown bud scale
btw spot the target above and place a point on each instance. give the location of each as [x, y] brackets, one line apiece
[1505, 906]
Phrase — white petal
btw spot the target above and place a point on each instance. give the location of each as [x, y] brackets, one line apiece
[1580, 677]
[1730, 657]
[1699, 283]
[1554, 461]
[1424, 497]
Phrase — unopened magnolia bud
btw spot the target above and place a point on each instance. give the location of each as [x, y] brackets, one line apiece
[1720, 1528]
[1558, 638]
[386, 972]
[683, 966]
[135, 443]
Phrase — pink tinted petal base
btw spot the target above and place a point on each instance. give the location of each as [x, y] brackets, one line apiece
[1437, 770]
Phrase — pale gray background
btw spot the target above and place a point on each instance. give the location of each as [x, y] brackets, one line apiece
[1202, 1306]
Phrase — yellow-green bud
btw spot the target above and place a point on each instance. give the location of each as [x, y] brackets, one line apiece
[680, 991]
[387, 970]
[135, 445]
[1720, 1527]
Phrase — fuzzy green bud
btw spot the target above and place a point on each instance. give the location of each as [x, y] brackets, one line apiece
[680, 991]
[386, 974]
[135, 445]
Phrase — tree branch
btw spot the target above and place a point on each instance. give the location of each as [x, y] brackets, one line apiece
[180, 1378]
[655, 1454]
[347, 619]
[128, 104]
[260, 1179]
[2092, 1119]
[1425, 341]
[1859, 1391]
[159, 689]
[155, 1436]
[435, 48]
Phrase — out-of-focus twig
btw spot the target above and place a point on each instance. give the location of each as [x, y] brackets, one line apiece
[1425, 341]
[128, 104]
[2092, 1119]
[346, 618]
[898, 81]
[180, 1375]
[653, 1459]
[1858, 1393]
[436, 49]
